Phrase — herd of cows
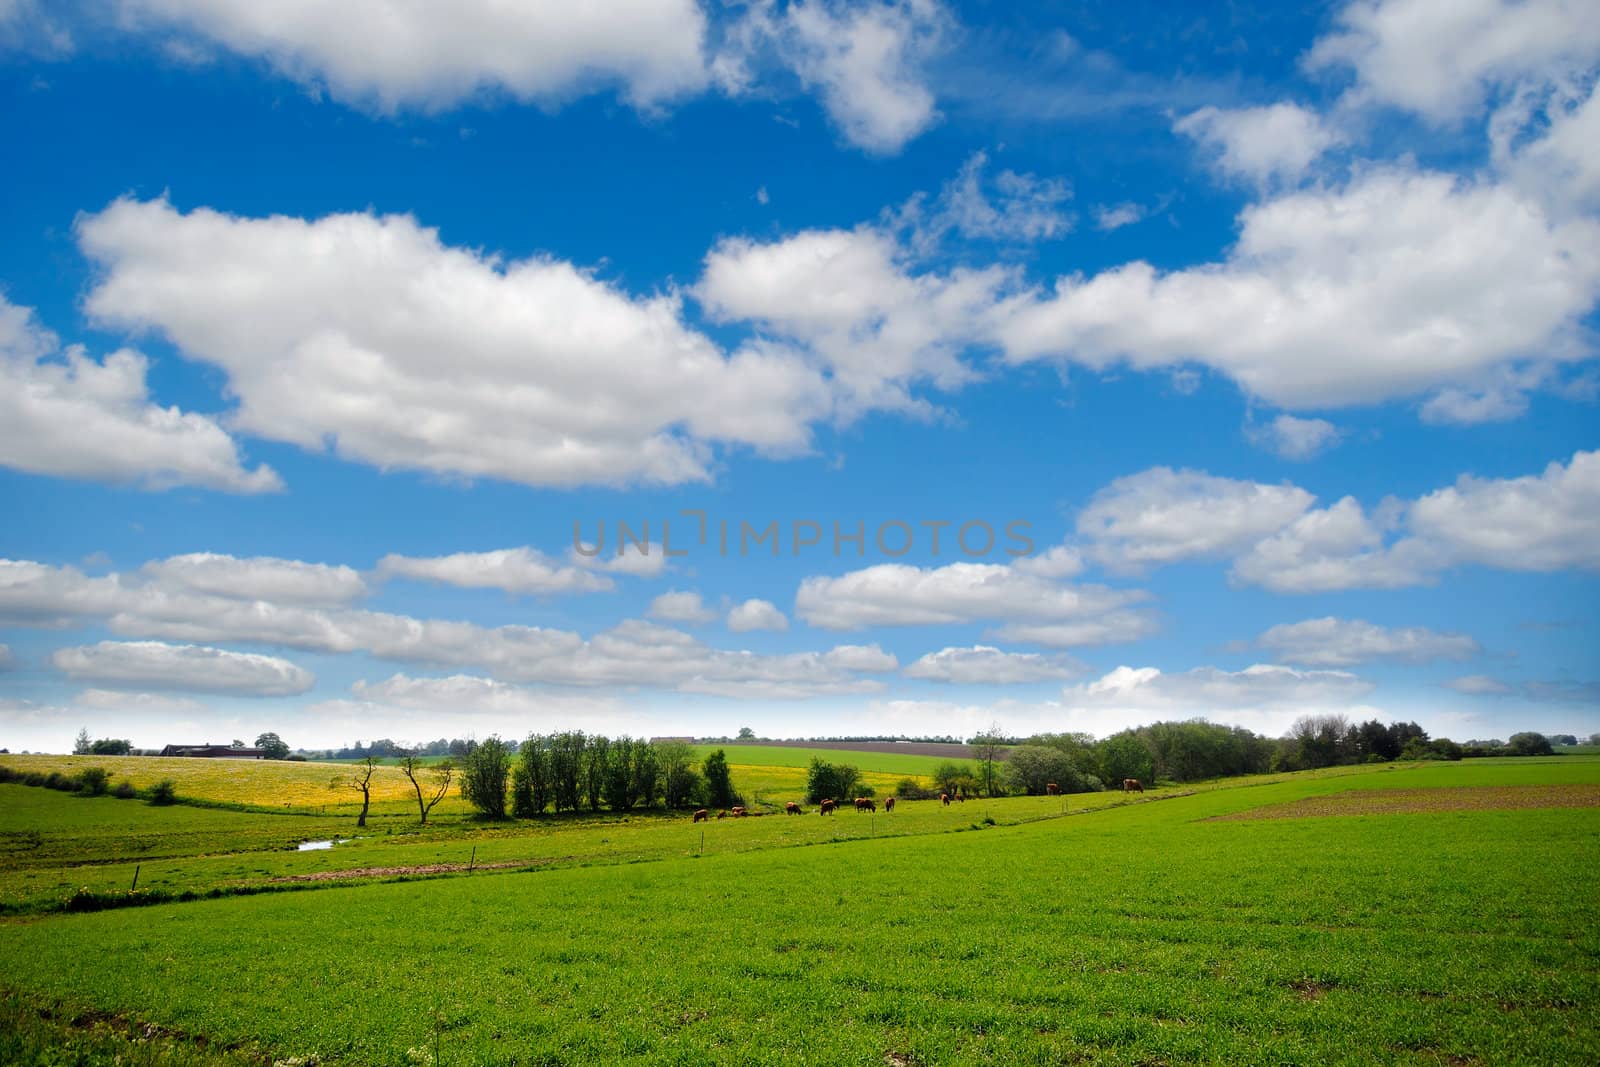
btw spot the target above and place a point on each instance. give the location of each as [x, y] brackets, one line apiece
[829, 806]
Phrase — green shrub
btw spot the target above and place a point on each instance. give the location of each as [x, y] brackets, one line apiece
[124, 790]
[94, 781]
[162, 793]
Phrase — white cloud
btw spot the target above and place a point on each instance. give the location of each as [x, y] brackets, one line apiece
[631, 562]
[986, 665]
[1442, 60]
[64, 414]
[1333, 642]
[473, 695]
[1338, 547]
[524, 571]
[1543, 522]
[864, 61]
[900, 595]
[151, 703]
[260, 578]
[1396, 284]
[1478, 685]
[1162, 516]
[846, 298]
[1294, 438]
[1014, 208]
[868, 658]
[1263, 686]
[756, 615]
[1108, 217]
[370, 336]
[390, 54]
[681, 606]
[1262, 145]
[1549, 146]
[153, 664]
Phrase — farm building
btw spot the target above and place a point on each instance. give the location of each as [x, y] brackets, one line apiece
[214, 752]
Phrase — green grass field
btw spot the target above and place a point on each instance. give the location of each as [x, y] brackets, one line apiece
[1117, 931]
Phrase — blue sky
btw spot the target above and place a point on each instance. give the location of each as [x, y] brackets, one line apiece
[324, 327]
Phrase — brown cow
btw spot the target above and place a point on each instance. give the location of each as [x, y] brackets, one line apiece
[944, 798]
[1131, 785]
[961, 797]
[1051, 789]
[702, 815]
[827, 808]
[888, 805]
[739, 813]
[866, 804]
[792, 808]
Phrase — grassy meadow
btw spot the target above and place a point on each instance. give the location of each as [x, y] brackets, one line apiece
[1407, 913]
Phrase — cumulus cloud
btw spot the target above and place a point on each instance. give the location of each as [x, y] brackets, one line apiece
[1334, 642]
[1161, 516]
[1050, 611]
[523, 571]
[1543, 522]
[681, 606]
[156, 665]
[864, 61]
[1294, 438]
[389, 55]
[849, 300]
[1398, 283]
[1443, 61]
[64, 414]
[1261, 145]
[987, 665]
[287, 581]
[756, 614]
[370, 336]
[1337, 547]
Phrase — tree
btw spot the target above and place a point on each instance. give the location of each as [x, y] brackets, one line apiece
[530, 782]
[441, 773]
[1528, 744]
[596, 751]
[1029, 768]
[566, 768]
[238, 742]
[80, 747]
[719, 783]
[988, 747]
[1126, 755]
[483, 777]
[679, 781]
[359, 779]
[746, 734]
[950, 776]
[272, 746]
[832, 781]
[111, 746]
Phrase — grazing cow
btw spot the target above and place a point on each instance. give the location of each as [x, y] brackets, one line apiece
[1131, 785]
[962, 797]
[827, 808]
[888, 805]
[1051, 789]
[702, 815]
[944, 798]
[722, 815]
[739, 813]
[866, 804]
[792, 808]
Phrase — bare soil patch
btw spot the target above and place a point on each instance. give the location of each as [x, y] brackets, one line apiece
[393, 872]
[1450, 798]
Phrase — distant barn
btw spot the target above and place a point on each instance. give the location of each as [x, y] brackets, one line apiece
[214, 752]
